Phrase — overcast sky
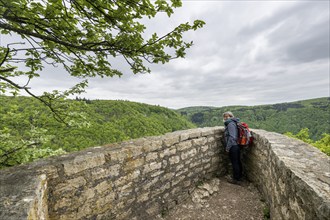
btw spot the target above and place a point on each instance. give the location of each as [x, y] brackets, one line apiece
[248, 53]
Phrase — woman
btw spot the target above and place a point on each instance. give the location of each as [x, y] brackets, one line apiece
[231, 136]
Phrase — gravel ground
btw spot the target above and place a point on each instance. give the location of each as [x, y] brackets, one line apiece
[220, 200]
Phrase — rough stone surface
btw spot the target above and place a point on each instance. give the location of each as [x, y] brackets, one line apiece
[23, 194]
[202, 193]
[292, 176]
[120, 181]
[80, 163]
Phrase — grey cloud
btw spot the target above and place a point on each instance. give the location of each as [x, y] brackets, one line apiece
[243, 56]
[301, 33]
[262, 82]
[301, 10]
[313, 48]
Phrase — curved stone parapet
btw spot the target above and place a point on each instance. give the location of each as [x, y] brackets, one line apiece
[294, 177]
[142, 178]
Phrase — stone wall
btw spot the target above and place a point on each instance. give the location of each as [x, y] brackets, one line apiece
[293, 177]
[137, 179]
[148, 176]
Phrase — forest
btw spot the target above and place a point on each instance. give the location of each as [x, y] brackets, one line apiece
[313, 114]
[29, 130]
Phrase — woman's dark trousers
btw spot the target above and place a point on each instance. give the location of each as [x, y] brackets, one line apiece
[235, 158]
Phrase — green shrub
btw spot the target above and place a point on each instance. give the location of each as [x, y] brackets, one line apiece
[323, 144]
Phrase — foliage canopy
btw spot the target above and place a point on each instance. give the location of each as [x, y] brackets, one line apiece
[83, 36]
[323, 144]
[307, 120]
[28, 132]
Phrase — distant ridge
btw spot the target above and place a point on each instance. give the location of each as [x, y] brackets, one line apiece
[110, 121]
[313, 114]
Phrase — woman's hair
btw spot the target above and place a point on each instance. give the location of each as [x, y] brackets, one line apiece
[228, 113]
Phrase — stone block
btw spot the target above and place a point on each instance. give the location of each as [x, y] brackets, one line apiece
[182, 146]
[184, 136]
[133, 164]
[188, 154]
[177, 180]
[166, 195]
[121, 181]
[125, 215]
[50, 171]
[198, 170]
[109, 172]
[114, 170]
[168, 152]
[215, 145]
[100, 173]
[194, 164]
[207, 131]
[179, 167]
[164, 164]
[108, 198]
[120, 206]
[152, 144]
[200, 141]
[189, 161]
[103, 187]
[149, 183]
[84, 210]
[87, 194]
[204, 148]
[174, 160]
[67, 215]
[151, 156]
[170, 139]
[134, 151]
[211, 139]
[160, 190]
[157, 173]
[175, 190]
[154, 209]
[196, 133]
[102, 205]
[297, 209]
[125, 190]
[215, 169]
[68, 187]
[167, 177]
[206, 160]
[187, 183]
[182, 172]
[64, 202]
[83, 162]
[152, 166]
[118, 155]
[165, 187]
[130, 176]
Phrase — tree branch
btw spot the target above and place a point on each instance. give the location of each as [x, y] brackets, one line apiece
[55, 40]
[5, 57]
[48, 104]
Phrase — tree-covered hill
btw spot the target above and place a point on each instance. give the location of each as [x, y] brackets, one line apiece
[313, 114]
[27, 122]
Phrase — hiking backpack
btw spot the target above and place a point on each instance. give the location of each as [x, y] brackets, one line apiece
[244, 135]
